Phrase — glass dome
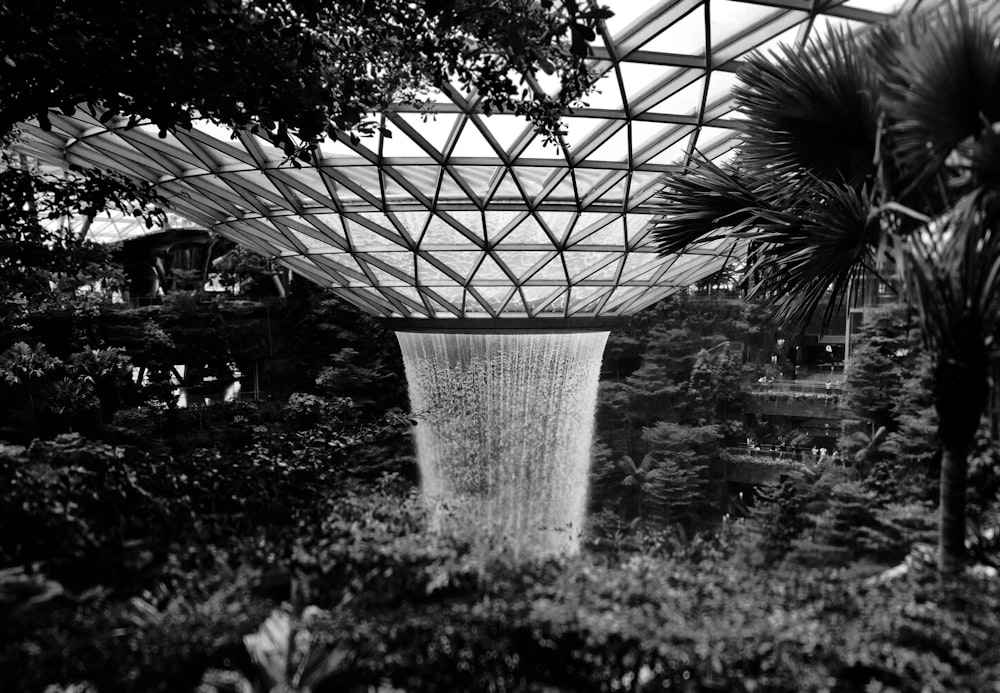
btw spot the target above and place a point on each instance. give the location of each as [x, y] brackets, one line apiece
[462, 215]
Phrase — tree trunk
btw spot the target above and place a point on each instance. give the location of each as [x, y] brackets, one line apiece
[960, 395]
[951, 536]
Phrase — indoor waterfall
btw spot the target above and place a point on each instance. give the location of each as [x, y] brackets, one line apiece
[504, 429]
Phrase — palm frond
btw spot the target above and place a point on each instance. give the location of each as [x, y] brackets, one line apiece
[954, 277]
[811, 110]
[812, 253]
[943, 88]
[627, 465]
[699, 202]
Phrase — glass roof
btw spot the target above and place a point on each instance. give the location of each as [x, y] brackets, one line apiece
[459, 214]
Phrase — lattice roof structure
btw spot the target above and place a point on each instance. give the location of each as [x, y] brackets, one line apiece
[463, 215]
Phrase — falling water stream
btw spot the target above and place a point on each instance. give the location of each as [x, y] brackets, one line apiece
[504, 429]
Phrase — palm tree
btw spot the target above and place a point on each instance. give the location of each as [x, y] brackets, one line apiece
[637, 480]
[870, 154]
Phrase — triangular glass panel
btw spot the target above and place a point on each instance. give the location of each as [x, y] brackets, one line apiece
[397, 144]
[424, 178]
[685, 101]
[451, 191]
[412, 294]
[607, 272]
[594, 304]
[532, 179]
[363, 238]
[578, 130]
[395, 192]
[469, 220]
[606, 93]
[557, 305]
[338, 149]
[328, 226]
[686, 36]
[637, 263]
[538, 148]
[563, 190]
[622, 296]
[342, 264]
[643, 181]
[587, 178]
[552, 271]
[400, 265]
[515, 306]
[536, 297]
[435, 129]
[581, 295]
[476, 305]
[452, 295]
[472, 144]
[639, 77]
[309, 242]
[641, 238]
[611, 235]
[615, 195]
[460, 262]
[376, 298]
[528, 233]
[505, 129]
[489, 270]
[649, 273]
[429, 274]
[625, 16]
[478, 178]
[412, 221]
[495, 296]
[442, 311]
[441, 233]
[788, 37]
[384, 223]
[557, 222]
[710, 136]
[674, 154]
[508, 191]
[306, 268]
[498, 221]
[522, 262]
[645, 134]
[383, 278]
[586, 222]
[756, 33]
[580, 263]
[731, 19]
[720, 85]
[614, 149]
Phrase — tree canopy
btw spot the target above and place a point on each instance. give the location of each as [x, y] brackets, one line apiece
[291, 70]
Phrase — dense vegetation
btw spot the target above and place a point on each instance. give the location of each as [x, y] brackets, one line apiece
[282, 541]
[899, 183]
[280, 544]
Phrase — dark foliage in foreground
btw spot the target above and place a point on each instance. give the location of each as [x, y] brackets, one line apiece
[143, 572]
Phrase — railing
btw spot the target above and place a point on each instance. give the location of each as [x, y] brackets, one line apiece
[803, 387]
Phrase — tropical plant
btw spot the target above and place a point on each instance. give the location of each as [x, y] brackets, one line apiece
[72, 395]
[636, 481]
[21, 365]
[865, 154]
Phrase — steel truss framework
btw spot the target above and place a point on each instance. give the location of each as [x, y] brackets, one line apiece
[463, 215]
